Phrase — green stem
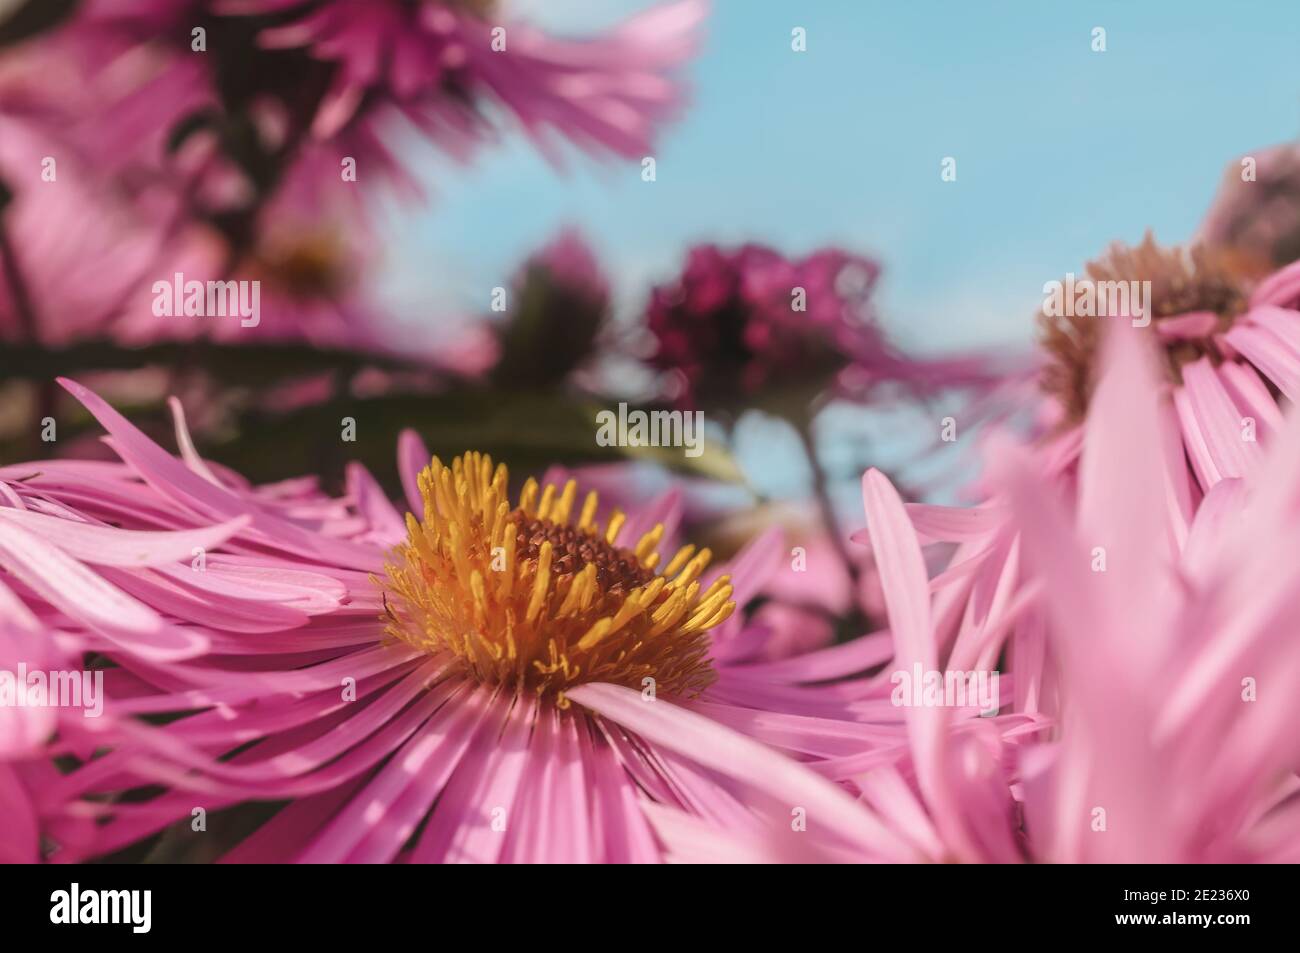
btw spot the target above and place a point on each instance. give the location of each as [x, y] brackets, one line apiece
[821, 492]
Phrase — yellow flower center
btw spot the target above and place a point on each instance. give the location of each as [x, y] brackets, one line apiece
[530, 598]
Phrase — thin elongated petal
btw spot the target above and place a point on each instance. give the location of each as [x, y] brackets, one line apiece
[711, 745]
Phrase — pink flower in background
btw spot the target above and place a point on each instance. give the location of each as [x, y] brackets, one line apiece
[63, 273]
[727, 328]
[218, 131]
[223, 125]
[558, 305]
[434, 60]
[1256, 211]
[82, 263]
[1229, 350]
[749, 325]
[571, 265]
[305, 85]
[524, 688]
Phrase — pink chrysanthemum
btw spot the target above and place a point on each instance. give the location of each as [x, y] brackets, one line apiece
[736, 324]
[350, 74]
[1166, 662]
[607, 94]
[382, 677]
[79, 263]
[1229, 346]
[54, 710]
[1225, 353]
[749, 325]
[1256, 212]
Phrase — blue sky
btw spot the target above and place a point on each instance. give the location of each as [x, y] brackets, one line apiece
[1059, 151]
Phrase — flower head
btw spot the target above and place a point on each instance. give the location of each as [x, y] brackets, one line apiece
[532, 598]
[408, 692]
[738, 324]
[1166, 752]
[1196, 295]
[1228, 345]
[1255, 215]
[560, 306]
[438, 58]
[749, 326]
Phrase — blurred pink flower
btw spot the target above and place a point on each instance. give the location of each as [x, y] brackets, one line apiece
[728, 330]
[557, 307]
[290, 612]
[570, 263]
[1218, 411]
[218, 132]
[306, 85]
[1256, 211]
[218, 127]
[81, 259]
[76, 260]
[1229, 349]
[746, 326]
[435, 60]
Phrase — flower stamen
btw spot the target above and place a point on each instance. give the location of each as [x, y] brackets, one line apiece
[530, 598]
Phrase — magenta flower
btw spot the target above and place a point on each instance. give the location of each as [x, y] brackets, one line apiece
[340, 78]
[736, 325]
[750, 326]
[411, 701]
[433, 59]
